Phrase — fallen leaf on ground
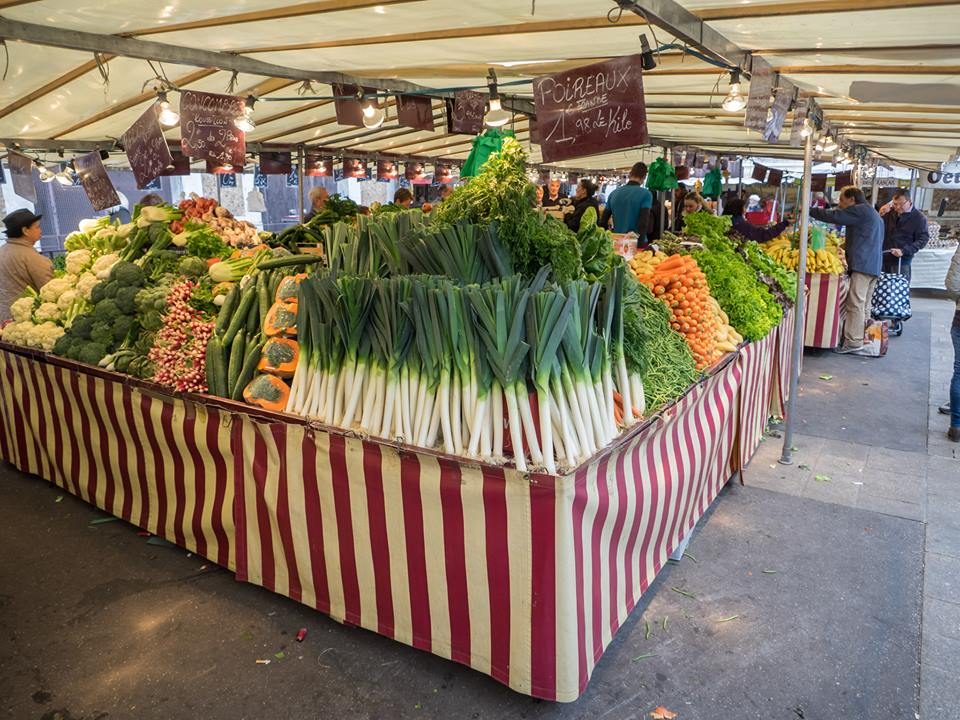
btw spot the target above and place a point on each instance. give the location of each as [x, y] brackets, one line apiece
[647, 632]
[688, 555]
[684, 593]
[280, 655]
[665, 621]
[826, 377]
[644, 657]
[822, 478]
[661, 713]
[59, 499]
[769, 572]
[732, 617]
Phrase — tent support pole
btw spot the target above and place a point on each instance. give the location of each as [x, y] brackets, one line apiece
[786, 457]
[300, 160]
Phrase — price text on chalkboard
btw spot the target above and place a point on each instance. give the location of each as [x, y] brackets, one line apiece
[207, 129]
[146, 148]
[465, 112]
[21, 175]
[592, 109]
[95, 181]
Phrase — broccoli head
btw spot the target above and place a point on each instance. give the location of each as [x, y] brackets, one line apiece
[111, 289]
[92, 353]
[127, 273]
[62, 346]
[98, 293]
[123, 327]
[126, 300]
[106, 311]
[81, 327]
[102, 333]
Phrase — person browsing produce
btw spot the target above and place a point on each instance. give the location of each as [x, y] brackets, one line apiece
[318, 200]
[694, 203]
[953, 287]
[905, 233]
[403, 198]
[864, 249]
[21, 266]
[551, 198]
[583, 200]
[629, 206]
[746, 229]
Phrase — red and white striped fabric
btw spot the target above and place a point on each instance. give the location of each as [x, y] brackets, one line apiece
[826, 295]
[783, 362]
[156, 462]
[524, 578]
[756, 362]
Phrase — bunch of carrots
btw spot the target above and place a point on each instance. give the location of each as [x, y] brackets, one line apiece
[682, 286]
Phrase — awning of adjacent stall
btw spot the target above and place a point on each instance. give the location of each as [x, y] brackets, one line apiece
[887, 74]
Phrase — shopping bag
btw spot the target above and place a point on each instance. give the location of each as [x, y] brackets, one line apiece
[891, 299]
[876, 338]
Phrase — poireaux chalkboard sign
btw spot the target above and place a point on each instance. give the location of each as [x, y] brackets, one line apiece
[207, 129]
[96, 183]
[146, 148]
[592, 109]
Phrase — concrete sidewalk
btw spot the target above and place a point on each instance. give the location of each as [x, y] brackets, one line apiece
[800, 596]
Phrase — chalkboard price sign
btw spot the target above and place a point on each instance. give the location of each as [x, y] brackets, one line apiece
[146, 148]
[96, 183]
[465, 112]
[21, 175]
[593, 109]
[207, 129]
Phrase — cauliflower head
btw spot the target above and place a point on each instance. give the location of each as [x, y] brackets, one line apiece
[16, 333]
[103, 264]
[44, 335]
[22, 309]
[48, 311]
[66, 300]
[52, 291]
[78, 261]
[85, 284]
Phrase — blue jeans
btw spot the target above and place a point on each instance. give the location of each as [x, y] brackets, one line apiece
[955, 383]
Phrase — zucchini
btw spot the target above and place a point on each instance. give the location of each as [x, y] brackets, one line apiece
[264, 299]
[226, 310]
[215, 371]
[236, 358]
[240, 316]
[254, 318]
[289, 261]
[250, 362]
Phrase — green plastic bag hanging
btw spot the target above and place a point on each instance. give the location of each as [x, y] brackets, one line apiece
[818, 237]
[483, 147]
[661, 176]
[713, 184]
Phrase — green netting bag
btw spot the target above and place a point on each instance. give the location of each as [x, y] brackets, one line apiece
[661, 176]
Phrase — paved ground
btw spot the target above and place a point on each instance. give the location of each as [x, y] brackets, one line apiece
[811, 587]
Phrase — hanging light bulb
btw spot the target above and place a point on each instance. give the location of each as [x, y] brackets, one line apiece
[66, 176]
[807, 129]
[373, 115]
[168, 117]
[45, 173]
[734, 101]
[245, 121]
[495, 116]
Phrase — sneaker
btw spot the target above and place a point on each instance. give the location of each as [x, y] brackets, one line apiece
[847, 349]
[954, 434]
[944, 409]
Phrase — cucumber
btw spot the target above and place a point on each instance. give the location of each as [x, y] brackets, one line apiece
[263, 296]
[273, 282]
[289, 261]
[254, 319]
[216, 373]
[240, 316]
[236, 358]
[250, 362]
[226, 310]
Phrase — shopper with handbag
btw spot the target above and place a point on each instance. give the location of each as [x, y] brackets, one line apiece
[953, 286]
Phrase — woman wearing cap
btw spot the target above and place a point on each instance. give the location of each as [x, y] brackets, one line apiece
[21, 266]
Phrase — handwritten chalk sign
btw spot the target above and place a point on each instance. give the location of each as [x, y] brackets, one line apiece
[275, 163]
[413, 171]
[415, 111]
[96, 183]
[354, 168]
[146, 148]
[465, 112]
[21, 176]
[593, 109]
[207, 129]
[318, 166]
[386, 170]
[179, 165]
[758, 102]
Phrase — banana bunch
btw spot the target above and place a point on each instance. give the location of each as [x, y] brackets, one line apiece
[819, 261]
[727, 338]
[644, 262]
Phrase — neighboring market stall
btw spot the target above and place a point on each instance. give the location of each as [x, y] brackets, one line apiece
[473, 430]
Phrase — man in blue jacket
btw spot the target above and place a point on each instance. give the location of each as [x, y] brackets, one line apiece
[906, 232]
[864, 250]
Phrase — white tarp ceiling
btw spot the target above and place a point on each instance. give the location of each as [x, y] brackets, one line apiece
[900, 59]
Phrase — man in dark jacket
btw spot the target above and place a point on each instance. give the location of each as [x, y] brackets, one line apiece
[906, 233]
[744, 228]
[864, 250]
